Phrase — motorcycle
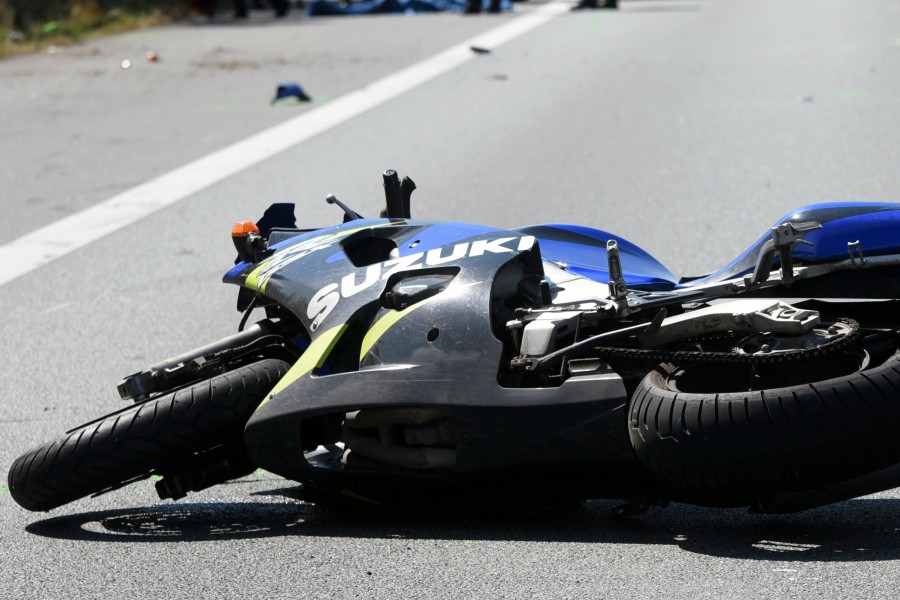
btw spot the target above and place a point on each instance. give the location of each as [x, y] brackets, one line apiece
[406, 361]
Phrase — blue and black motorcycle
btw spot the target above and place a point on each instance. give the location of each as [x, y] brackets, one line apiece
[406, 361]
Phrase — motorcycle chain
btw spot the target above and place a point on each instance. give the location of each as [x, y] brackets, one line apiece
[701, 356]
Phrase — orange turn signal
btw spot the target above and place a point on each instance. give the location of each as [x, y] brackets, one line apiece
[242, 229]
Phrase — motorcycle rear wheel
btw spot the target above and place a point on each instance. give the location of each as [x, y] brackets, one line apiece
[733, 448]
[132, 443]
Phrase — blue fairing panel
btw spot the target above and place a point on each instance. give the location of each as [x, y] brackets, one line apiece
[583, 251]
[875, 225]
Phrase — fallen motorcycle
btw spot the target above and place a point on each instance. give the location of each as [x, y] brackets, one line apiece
[404, 360]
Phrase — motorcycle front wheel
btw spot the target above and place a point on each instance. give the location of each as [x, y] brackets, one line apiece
[137, 441]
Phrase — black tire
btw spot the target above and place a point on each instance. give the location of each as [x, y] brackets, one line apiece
[729, 449]
[135, 441]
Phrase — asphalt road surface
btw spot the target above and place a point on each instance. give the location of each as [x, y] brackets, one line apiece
[687, 126]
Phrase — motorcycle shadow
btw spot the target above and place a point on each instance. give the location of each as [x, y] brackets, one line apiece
[858, 530]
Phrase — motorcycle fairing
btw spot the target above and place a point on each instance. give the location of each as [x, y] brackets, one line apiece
[876, 226]
[443, 351]
[496, 427]
[346, 286]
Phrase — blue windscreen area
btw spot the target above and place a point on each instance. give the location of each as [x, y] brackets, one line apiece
[583, 251]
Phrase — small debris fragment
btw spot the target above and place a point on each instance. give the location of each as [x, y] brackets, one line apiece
[479, 50]
[126, 64]
[152, 57]
[806, 99]
[289, 89]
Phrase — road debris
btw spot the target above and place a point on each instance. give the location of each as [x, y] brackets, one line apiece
[289, 89]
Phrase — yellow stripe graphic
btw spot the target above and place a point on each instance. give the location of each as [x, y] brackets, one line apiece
[313, 358]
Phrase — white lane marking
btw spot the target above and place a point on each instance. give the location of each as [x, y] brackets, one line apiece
[42, 246]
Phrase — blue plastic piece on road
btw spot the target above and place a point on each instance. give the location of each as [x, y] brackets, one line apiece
[289, 89]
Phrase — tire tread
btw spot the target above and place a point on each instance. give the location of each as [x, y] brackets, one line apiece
[727, 448]
[148, 436]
